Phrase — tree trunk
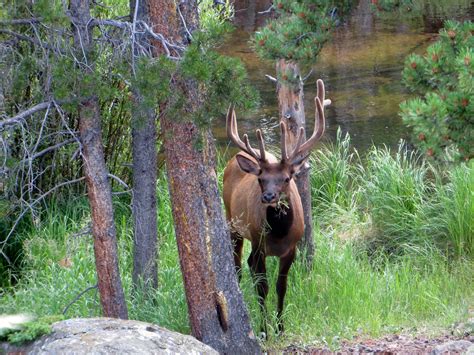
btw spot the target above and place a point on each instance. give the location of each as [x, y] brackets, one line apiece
[217, 312]
[216, 308]
[291, 107]
[98, 187]
[144, 153]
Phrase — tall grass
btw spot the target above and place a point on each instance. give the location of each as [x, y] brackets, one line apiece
[450, 218]
[394, 202]
[396, 191]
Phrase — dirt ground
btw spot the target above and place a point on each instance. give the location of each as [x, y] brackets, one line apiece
[398, 344]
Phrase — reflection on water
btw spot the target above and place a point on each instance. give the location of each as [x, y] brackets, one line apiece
[361, 67]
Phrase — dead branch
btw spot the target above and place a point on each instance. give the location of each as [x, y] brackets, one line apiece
[267, 11]
[50, 149]
[120, 181]
[141, 26]
[23, 115]
[20, 21]
[271, 78]
[22, 37]
[78, 297]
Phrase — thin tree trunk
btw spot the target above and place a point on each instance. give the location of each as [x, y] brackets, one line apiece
[98, 188]
[216, 309]
[144, 153]
[291, 107]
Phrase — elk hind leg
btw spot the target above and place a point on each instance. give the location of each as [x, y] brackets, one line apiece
[285, 264]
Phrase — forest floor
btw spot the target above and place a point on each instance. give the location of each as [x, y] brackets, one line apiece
[396, 344]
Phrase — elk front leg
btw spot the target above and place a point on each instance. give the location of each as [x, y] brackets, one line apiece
[285, 264]
[256, 263]
[238, 243]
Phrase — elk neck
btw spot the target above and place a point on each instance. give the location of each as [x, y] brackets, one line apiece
[279, 220]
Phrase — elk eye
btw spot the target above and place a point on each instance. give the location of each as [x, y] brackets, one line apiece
[287, 180]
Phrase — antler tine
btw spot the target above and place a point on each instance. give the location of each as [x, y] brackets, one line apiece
[233, 134]
[319, 125]
[249, 149]
[321, 93]
[284, 152]
[261, 144]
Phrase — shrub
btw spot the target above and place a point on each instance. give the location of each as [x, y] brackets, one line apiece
[443, 115]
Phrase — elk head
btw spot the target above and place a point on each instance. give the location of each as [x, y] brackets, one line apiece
[274, 177]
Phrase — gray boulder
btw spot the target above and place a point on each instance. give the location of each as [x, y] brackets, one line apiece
[452, 347]
[111, 336]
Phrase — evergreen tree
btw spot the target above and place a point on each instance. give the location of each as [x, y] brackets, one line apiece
[442, 116]
[294, 37]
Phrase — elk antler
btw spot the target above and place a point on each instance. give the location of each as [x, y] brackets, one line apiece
[303, 148]
[233, 134]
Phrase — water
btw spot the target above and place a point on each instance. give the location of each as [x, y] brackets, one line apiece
[361, 67]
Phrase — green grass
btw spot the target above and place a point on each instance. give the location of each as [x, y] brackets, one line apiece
[393, 254]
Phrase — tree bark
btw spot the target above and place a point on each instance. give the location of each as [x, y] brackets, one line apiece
[98, 188]
[217, 313]
[291, 107]
[144, 157]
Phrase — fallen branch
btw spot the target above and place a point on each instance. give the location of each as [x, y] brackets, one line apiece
[79, 296]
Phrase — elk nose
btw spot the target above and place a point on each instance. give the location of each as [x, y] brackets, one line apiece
[268, 197]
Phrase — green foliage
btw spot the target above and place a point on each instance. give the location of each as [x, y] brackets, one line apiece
[219, 81]
[442, 116]
[299, 30]
[214, 20]
[31, 330]
[396, 191]
[153, 79]
[349, 292]
[397, 204]
[452, 212]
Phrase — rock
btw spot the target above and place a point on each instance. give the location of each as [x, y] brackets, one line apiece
[111, 336]
[470, 350]
[452, 347]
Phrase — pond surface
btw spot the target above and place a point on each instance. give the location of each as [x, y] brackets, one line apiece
[361, 67]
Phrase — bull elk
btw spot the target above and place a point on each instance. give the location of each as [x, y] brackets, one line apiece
[262, 201]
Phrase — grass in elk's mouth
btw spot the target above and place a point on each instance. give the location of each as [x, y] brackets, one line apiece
[393, 243]
[282, 204]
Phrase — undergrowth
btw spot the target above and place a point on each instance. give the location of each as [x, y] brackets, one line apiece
[394, 243]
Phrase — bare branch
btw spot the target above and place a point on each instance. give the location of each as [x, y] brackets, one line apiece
[79, 296]
[20, 21]
[120, 181]
[23, 115]
[308, 75]
[21, 36]
[267, 11]
[50, 149]
[271, 78]
[142, 26]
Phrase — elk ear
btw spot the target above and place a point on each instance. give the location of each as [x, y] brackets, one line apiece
[247, 165]
[298, 165]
